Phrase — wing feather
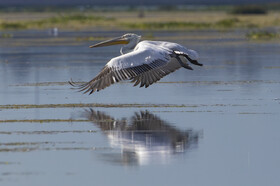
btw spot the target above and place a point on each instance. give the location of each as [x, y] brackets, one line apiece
[157, 73]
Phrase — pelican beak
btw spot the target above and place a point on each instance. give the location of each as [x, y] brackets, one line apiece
[115, 41]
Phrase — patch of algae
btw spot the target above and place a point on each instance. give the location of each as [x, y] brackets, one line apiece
[41, 120]
[73, 105]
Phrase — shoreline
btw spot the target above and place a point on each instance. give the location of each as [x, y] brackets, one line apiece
[137, 20]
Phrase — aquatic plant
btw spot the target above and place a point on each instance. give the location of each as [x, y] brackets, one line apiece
[224, 23]
[64, 19]
[166, 25]
[229, 22]
[153, 20]
[80, 105]
[262, 35]
[6, 35]
[68, 19]
[12, 25]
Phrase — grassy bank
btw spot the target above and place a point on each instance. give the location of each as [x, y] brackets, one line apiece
[140, 20]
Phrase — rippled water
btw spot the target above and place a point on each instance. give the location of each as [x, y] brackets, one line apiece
[215, 125]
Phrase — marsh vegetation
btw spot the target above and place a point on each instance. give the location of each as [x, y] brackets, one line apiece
[161, 19]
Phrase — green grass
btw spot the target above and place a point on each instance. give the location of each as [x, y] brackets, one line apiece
[60, 20]
[12, 26]
[166, 25]
[171, 25]
[153, 20]
[228, 23]
[68, 19]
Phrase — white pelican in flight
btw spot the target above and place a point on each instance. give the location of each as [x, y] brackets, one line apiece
[143, 62]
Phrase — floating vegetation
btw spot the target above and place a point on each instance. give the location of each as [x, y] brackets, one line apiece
[41, 121]
[257, 113]
[71, 105]
[44, 132]
[45, 145]
[28, 149]
[239, 82]
[226, 23]
[6, 35]
[90, 38]
[262, 35]
[100, 105]
[162, 82]
[35, 143]
[272, 67]
[43, 84]
[12, 26]
[7, 162]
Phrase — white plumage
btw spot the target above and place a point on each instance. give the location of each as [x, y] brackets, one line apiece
[142, 62]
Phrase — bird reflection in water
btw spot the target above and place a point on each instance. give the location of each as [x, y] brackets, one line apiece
[143, 138]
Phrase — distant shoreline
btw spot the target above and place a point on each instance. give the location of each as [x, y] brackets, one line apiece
[259, 24]
[139, 20]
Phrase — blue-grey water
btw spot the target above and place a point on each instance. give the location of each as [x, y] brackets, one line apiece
[215, 125]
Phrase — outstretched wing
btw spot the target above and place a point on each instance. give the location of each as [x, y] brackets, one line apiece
[145, 65]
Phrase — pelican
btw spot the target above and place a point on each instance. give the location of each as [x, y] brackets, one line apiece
[142, 62]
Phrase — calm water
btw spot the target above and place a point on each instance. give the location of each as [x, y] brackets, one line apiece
[215, 125]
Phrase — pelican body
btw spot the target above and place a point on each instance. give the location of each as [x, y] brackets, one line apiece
[142, 62]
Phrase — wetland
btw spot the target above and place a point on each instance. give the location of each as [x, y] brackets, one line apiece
[215, 125]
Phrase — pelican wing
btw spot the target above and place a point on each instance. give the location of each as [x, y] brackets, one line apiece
[144, 66]
[155, 71]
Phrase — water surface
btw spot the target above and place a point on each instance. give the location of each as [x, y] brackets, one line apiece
[215, 125]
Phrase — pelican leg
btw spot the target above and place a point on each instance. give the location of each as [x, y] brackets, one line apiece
[195, 62]
[185, 65]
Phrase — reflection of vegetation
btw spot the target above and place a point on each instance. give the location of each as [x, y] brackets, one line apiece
[249, 9]
[262, 34]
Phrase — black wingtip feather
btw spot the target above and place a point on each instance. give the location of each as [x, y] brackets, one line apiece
[74, 84]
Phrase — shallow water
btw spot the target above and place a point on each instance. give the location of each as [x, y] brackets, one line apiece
[215, 125]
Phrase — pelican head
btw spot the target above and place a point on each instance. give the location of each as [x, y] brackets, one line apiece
[130, 40]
